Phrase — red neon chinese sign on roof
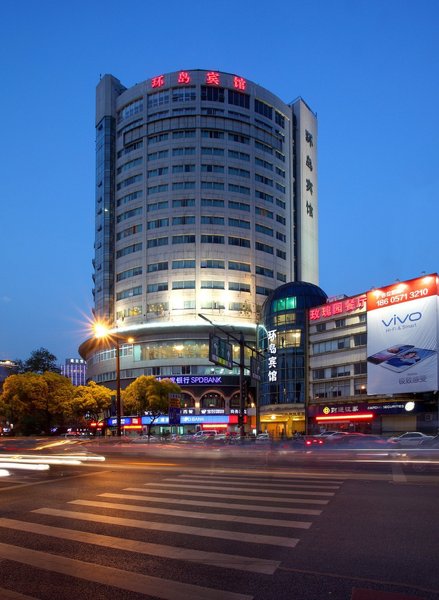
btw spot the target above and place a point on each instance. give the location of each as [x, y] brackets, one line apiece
[239, 83]
[213, 78]
[339, 307]
[184, 77]
[158, 81]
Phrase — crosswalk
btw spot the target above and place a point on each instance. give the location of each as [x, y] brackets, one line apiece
[247, 522]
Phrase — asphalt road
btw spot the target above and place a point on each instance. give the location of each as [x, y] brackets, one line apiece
[208, 524]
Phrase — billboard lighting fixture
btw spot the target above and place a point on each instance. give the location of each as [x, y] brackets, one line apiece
[346, 417]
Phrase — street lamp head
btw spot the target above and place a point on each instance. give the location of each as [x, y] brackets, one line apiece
[100, 330]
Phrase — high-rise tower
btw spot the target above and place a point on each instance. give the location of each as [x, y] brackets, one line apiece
[206, 201]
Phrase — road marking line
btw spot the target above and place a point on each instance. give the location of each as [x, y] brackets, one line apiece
[186, 502]
[269, 484]
[195, 515]
[258, 491]
[239, 536]
[118, 578]
[398, 474]
[217, 559]
[232, 496]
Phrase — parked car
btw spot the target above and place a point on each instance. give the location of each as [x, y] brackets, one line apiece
[410, 439]
[433, 443]
[358, 441]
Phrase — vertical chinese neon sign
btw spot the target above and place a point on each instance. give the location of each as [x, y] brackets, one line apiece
[272, 359]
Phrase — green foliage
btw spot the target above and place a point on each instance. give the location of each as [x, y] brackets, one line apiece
[35, 403]
[40, 361]
[147, 394]
[92, 399]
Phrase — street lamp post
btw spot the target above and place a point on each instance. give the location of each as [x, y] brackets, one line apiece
[242, 389]
[102, 332]
[118, 396]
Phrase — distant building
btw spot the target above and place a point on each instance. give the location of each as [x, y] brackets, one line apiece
[7, 367]
[76, 370]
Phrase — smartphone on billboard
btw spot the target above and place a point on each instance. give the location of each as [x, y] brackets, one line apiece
[383, 355]
[407, 359]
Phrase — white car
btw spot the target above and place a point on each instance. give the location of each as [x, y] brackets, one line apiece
[410, 439]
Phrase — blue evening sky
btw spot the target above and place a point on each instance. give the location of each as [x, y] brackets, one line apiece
[369, 68]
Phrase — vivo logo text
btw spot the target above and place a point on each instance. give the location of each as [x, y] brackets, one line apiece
[395, 320]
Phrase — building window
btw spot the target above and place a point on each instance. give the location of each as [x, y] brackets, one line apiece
[159, 266]
[239, 155]
[264, 248]
[239, 266]
[209, 151]
[183, 239]
[212, 94]
[212, 285]
[238, 99]
[239, 206]
[212, 134]
[211, 220]
[129, 293]
[239, 223]
[243, 243]
[183, 264]
[212, 202]
[212, 169]
[264, 271]
[157, 287]
[360, 339]
[129, 250]
[183, 202]
[239, 286]
[264, 212]
[183, 285]
[156, 242]
[211, 185]
[157, 205]
[183, 220]
[157, 223]
[129, 273]
[212, 239]
[212, 264]
[129, 214]
[238, 138]
[239, 189]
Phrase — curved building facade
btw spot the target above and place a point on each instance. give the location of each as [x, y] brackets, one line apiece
[283, 340]
[206, 202]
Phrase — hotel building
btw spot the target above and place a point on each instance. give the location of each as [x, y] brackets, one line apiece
[206, 202]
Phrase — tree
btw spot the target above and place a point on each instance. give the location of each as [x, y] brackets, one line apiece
[148, 395]
[34, 403]
[92, 399]
[40, 361]
[19, 394]
[56, 404]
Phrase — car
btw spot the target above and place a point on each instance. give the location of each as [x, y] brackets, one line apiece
[358, 441]
[203, 435]
[409, 439]
[432, 442]
[263, 438]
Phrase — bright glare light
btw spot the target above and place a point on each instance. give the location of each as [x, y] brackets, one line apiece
[4, 473]
[100, 330]
[26, 466]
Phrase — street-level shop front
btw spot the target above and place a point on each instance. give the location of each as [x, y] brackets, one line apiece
[378, 417]
[188, 424]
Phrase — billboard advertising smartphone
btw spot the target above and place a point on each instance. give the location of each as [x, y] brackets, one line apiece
[402, 337]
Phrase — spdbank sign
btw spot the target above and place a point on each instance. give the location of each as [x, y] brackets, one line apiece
[402, 337]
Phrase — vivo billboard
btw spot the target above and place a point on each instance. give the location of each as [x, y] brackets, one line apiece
[402, 337]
